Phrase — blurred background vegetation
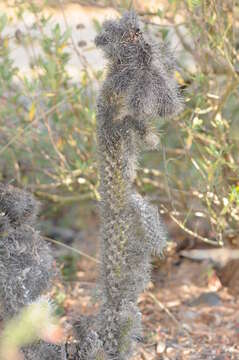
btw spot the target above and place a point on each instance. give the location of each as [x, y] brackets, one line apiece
[47, 116]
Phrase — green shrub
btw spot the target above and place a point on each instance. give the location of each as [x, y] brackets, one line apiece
[47, 121]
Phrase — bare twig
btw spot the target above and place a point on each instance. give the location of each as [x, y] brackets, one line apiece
[22, 131]
[170, 315]
[65, 199]
[190, 232]
[164, 308]
[82, 253]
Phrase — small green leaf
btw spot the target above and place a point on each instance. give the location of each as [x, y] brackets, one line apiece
[193, 3]
[3, 22]
[159, 13]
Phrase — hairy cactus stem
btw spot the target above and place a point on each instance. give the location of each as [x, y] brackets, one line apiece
[138, 87]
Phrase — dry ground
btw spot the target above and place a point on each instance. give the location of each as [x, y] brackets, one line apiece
[187, 312]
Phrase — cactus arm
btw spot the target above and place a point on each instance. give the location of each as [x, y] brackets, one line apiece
[153, 227]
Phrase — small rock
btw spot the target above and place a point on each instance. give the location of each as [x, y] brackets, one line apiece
[189, 315]
[82, 43]
[160, 347]
[80, 26]
[207, 298]
[170, 351]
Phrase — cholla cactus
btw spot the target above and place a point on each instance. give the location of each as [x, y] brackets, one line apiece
[26, 266]
[139, 85]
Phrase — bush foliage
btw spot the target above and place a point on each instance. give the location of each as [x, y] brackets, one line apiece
[47, 121]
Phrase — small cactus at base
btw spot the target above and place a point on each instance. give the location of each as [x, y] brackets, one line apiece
[26, 267]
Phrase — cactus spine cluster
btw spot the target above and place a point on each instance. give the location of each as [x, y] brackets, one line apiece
[138, 87]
